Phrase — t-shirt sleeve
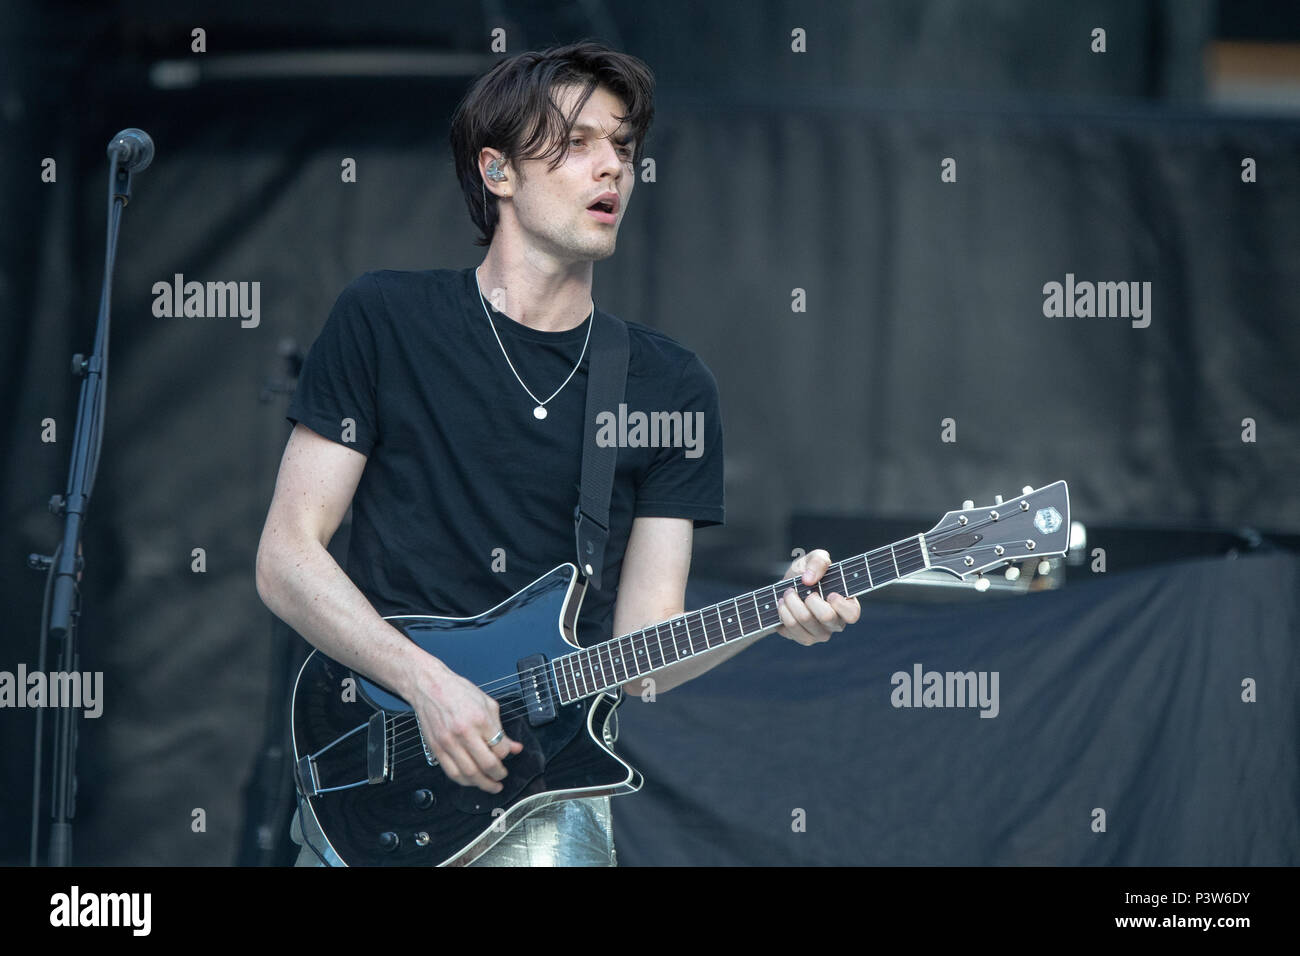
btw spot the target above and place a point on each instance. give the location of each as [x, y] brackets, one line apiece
[687, 481]
[336, 395]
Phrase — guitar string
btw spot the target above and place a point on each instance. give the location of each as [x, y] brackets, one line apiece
[403, 751]
[401, 737]
[512, 683]
[587, 672]
[846, 564]
[408, 743]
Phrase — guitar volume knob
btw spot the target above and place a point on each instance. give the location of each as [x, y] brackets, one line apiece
[389, 841]
[422, 799]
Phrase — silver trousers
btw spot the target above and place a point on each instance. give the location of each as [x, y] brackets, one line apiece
[569, 833]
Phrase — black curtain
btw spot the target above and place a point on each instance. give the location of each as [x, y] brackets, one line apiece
[1141, 719]
[774, 171]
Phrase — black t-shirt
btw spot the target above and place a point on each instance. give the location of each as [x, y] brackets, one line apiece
[466, 497]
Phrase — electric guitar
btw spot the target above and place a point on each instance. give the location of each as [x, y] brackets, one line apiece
[374, 787]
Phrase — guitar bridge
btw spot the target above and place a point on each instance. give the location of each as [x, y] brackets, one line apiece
[307, 768]
[308, 781]
[378, 767]
[429, 758]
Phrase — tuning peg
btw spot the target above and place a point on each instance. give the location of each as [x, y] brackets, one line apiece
[1044, 567]
[1026, 490]
[997, 499]
[967, 505]
[981, 583]
[1012, 573]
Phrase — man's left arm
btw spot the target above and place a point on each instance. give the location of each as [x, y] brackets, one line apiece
[652, 588]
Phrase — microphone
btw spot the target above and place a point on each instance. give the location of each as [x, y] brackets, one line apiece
[134, 150]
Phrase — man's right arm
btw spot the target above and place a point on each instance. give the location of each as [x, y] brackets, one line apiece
[304, 586]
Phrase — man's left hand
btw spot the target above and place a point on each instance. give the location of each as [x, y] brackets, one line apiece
[813, 620]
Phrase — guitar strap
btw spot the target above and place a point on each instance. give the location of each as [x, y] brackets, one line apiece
[606, 384]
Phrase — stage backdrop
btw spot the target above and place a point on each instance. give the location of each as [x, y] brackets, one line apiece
[1140, 719]
[857, 243]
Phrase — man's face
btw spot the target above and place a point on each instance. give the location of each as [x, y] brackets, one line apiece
[550, 211]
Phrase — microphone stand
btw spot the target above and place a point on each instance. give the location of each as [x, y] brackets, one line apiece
[66, 563]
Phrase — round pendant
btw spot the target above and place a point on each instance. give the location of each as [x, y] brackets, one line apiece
[539, 413]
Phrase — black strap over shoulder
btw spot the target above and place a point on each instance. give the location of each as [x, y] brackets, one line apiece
[606, 382]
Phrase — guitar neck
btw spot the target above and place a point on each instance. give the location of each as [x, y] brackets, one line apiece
[604, 666]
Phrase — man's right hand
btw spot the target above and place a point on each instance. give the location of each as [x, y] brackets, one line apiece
[304, 586]
[458, 720]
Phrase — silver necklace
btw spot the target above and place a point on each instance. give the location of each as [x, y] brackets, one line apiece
[540, 411]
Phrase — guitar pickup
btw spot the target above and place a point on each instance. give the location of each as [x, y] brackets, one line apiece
[535, 685]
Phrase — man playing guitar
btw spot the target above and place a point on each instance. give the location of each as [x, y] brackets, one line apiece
[446, 408]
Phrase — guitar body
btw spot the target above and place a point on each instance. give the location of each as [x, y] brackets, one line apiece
[375, 790]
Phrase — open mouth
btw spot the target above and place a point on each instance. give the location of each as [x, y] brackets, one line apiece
[602, 210]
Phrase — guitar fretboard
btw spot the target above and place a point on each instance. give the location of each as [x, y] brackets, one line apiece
[605, 666]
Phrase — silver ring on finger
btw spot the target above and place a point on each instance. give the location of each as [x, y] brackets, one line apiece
[500, 736]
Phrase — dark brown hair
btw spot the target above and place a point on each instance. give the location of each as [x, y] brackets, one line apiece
[510, 109]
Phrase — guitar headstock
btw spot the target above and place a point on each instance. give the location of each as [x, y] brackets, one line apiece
[1034, 525]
